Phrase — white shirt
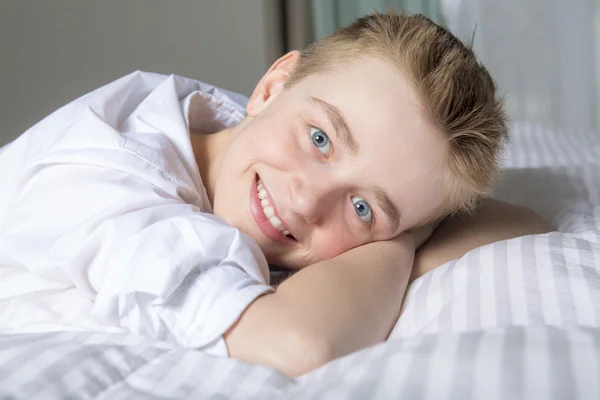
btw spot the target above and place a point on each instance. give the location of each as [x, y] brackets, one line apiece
[105, 196]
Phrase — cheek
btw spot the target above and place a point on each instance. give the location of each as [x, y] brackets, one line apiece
[273, 140]
[327, 245]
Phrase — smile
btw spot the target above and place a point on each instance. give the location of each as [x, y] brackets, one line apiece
[264, 212]
[268, 210]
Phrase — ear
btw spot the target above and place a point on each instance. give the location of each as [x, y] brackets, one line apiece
[272, 83]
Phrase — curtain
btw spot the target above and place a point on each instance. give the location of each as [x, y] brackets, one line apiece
[544, 55]
[331, 14]
[299, 30]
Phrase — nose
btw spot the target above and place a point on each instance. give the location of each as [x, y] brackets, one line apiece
[310, 197]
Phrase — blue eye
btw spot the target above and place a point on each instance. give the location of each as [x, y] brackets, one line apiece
[362, 208]
[321, 140]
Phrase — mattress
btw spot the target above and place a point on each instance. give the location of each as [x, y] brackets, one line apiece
[518, 318]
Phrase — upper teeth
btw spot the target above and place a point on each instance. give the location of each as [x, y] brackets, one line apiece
[268, 210]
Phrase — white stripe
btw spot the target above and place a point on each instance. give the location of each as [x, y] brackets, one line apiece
[561, 153]
[438, 382]
[547, 155]
[531, 149]
[434, 301]
[589, 236]
[459, 306]
[584, 364]
[71, 381]
[546, 282]
[395, 373]
[579, 152]
[579, 289]
[533, 146]
[515, 144]
[550, 141]
[28, 371]
[213, 381]
[516, 286]
[487, 368]
[487, 291]
[537, 366]
[333, 392]
[253, 381]
[527, 146]
[407, 324]
[171, 379]
[347, 372]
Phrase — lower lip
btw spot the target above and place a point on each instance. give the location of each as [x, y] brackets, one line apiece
[261, 220]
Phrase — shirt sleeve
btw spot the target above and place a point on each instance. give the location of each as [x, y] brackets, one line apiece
[151, 263]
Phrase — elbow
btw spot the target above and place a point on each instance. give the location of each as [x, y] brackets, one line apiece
[293, 352]
[303, 352]
[266, 336]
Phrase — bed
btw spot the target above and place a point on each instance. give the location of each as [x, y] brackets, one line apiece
[514, 319]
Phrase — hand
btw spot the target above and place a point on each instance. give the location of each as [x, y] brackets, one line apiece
[419, 236]
[393, 248]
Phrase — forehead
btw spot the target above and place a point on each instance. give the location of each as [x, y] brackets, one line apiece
[399, 149]
[370, 90]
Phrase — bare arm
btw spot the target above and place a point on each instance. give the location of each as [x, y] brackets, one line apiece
[492, 221]
[352, 301]
[326, 310]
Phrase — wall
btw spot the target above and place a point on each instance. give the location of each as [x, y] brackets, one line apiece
[543, 54]
[54, 51]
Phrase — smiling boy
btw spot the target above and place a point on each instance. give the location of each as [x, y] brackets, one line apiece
[312, 149]
[161, 200]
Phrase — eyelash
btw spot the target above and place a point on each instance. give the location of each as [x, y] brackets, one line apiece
[369, 224]
[314, 146]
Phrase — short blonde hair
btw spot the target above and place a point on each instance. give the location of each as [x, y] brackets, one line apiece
[457, 92]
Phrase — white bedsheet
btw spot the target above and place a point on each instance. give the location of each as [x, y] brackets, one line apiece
[515, 319]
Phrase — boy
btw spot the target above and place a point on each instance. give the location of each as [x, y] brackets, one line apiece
[162, 202]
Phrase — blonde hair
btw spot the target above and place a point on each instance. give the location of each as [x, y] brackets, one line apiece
[457, 92]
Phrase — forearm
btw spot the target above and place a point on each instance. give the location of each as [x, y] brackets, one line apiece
[326, 310]
[353, 300]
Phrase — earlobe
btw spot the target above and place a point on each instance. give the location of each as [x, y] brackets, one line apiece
[256, 103]
[272, 83]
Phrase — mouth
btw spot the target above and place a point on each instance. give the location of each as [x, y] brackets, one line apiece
[265, 214]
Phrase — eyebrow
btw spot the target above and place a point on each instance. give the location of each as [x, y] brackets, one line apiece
[344, 134]
[336, 119]
[388, 207]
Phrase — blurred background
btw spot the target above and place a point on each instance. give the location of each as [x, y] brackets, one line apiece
[544, 54]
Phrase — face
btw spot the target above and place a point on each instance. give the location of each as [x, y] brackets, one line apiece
[338, 160]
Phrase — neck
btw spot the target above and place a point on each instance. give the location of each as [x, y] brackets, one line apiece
[208, 151]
